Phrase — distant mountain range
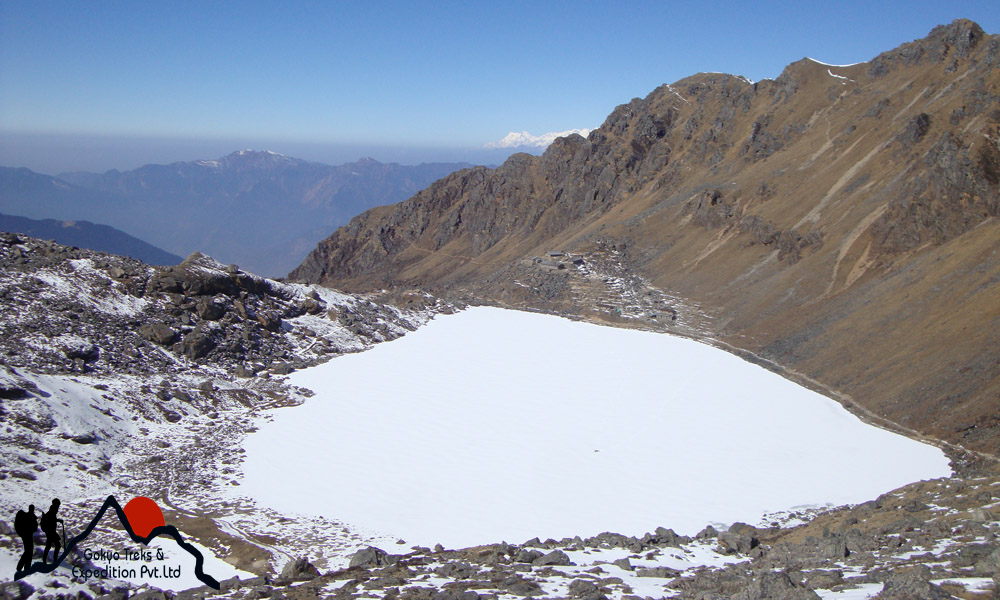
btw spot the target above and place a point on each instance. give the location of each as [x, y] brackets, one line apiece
[261, 210]
[92, 236]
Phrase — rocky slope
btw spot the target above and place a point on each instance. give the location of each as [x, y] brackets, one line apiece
[838, 223]
[121, 378]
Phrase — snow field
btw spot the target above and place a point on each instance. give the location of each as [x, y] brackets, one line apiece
[493, 425]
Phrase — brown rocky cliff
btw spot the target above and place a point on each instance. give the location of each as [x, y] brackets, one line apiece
[839, 221]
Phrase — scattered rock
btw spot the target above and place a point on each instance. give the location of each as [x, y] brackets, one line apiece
[16, 590]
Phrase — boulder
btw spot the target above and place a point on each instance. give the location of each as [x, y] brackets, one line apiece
[197, 344]
[708, 532]
[311, 306]
[834, 547]
[158, 333]
[369, 557]
[989, 565]
[737, 543]
[824, 580]
[981, 515]
[581, 588]
[81, 349]
[299, 569]
[556, 558]
[281, 369]
[664, 572]
[11, 391]
[16, 590]
[773, 585]
[457, 570]
[911, 584]
[623, 563]
[519, 586]
[668, 537]
[527, 556]
[210, 310]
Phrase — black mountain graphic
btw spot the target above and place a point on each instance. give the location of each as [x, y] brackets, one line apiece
[169, 530]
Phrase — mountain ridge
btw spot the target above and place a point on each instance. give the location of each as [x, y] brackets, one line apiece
[93, 236]
[262, 209]
[837, 221]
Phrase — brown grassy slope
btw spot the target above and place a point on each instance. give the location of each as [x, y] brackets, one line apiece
[840, 221]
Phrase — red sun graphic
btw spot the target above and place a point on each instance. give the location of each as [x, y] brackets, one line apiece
[143, 515]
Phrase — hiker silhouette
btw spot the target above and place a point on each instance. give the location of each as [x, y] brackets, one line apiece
[26, 524]
[49, 520]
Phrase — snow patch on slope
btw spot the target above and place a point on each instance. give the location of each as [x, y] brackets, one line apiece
[830, 65]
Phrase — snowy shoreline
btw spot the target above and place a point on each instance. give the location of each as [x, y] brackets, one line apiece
[550, 427]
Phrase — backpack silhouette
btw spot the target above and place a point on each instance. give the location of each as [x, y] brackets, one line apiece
[25, 523]
[49, 521]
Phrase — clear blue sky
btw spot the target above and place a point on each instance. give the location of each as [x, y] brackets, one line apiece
[417, 75]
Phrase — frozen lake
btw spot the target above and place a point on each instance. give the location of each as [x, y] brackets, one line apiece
[493, 425]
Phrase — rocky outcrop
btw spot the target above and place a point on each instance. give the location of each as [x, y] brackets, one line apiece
[121, 311]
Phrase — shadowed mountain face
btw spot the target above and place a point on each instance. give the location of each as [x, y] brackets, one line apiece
[839, 222]
[262, 210]
[91, 236]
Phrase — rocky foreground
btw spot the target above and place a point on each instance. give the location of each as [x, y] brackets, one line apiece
[933, 540]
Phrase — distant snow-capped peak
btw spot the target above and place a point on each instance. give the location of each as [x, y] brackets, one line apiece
[245, 157]
[250, 152]
[515, 139]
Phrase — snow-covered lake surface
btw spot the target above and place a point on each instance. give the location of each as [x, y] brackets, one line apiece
[493, 425]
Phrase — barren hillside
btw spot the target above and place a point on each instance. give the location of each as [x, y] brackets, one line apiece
[838, 221]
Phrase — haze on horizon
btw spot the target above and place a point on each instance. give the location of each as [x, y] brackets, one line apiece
[98, 86]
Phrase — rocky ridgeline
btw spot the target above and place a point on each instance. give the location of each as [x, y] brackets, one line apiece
[832, 212]
[74, 311]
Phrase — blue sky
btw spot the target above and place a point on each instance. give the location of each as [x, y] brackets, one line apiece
[413, 80]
